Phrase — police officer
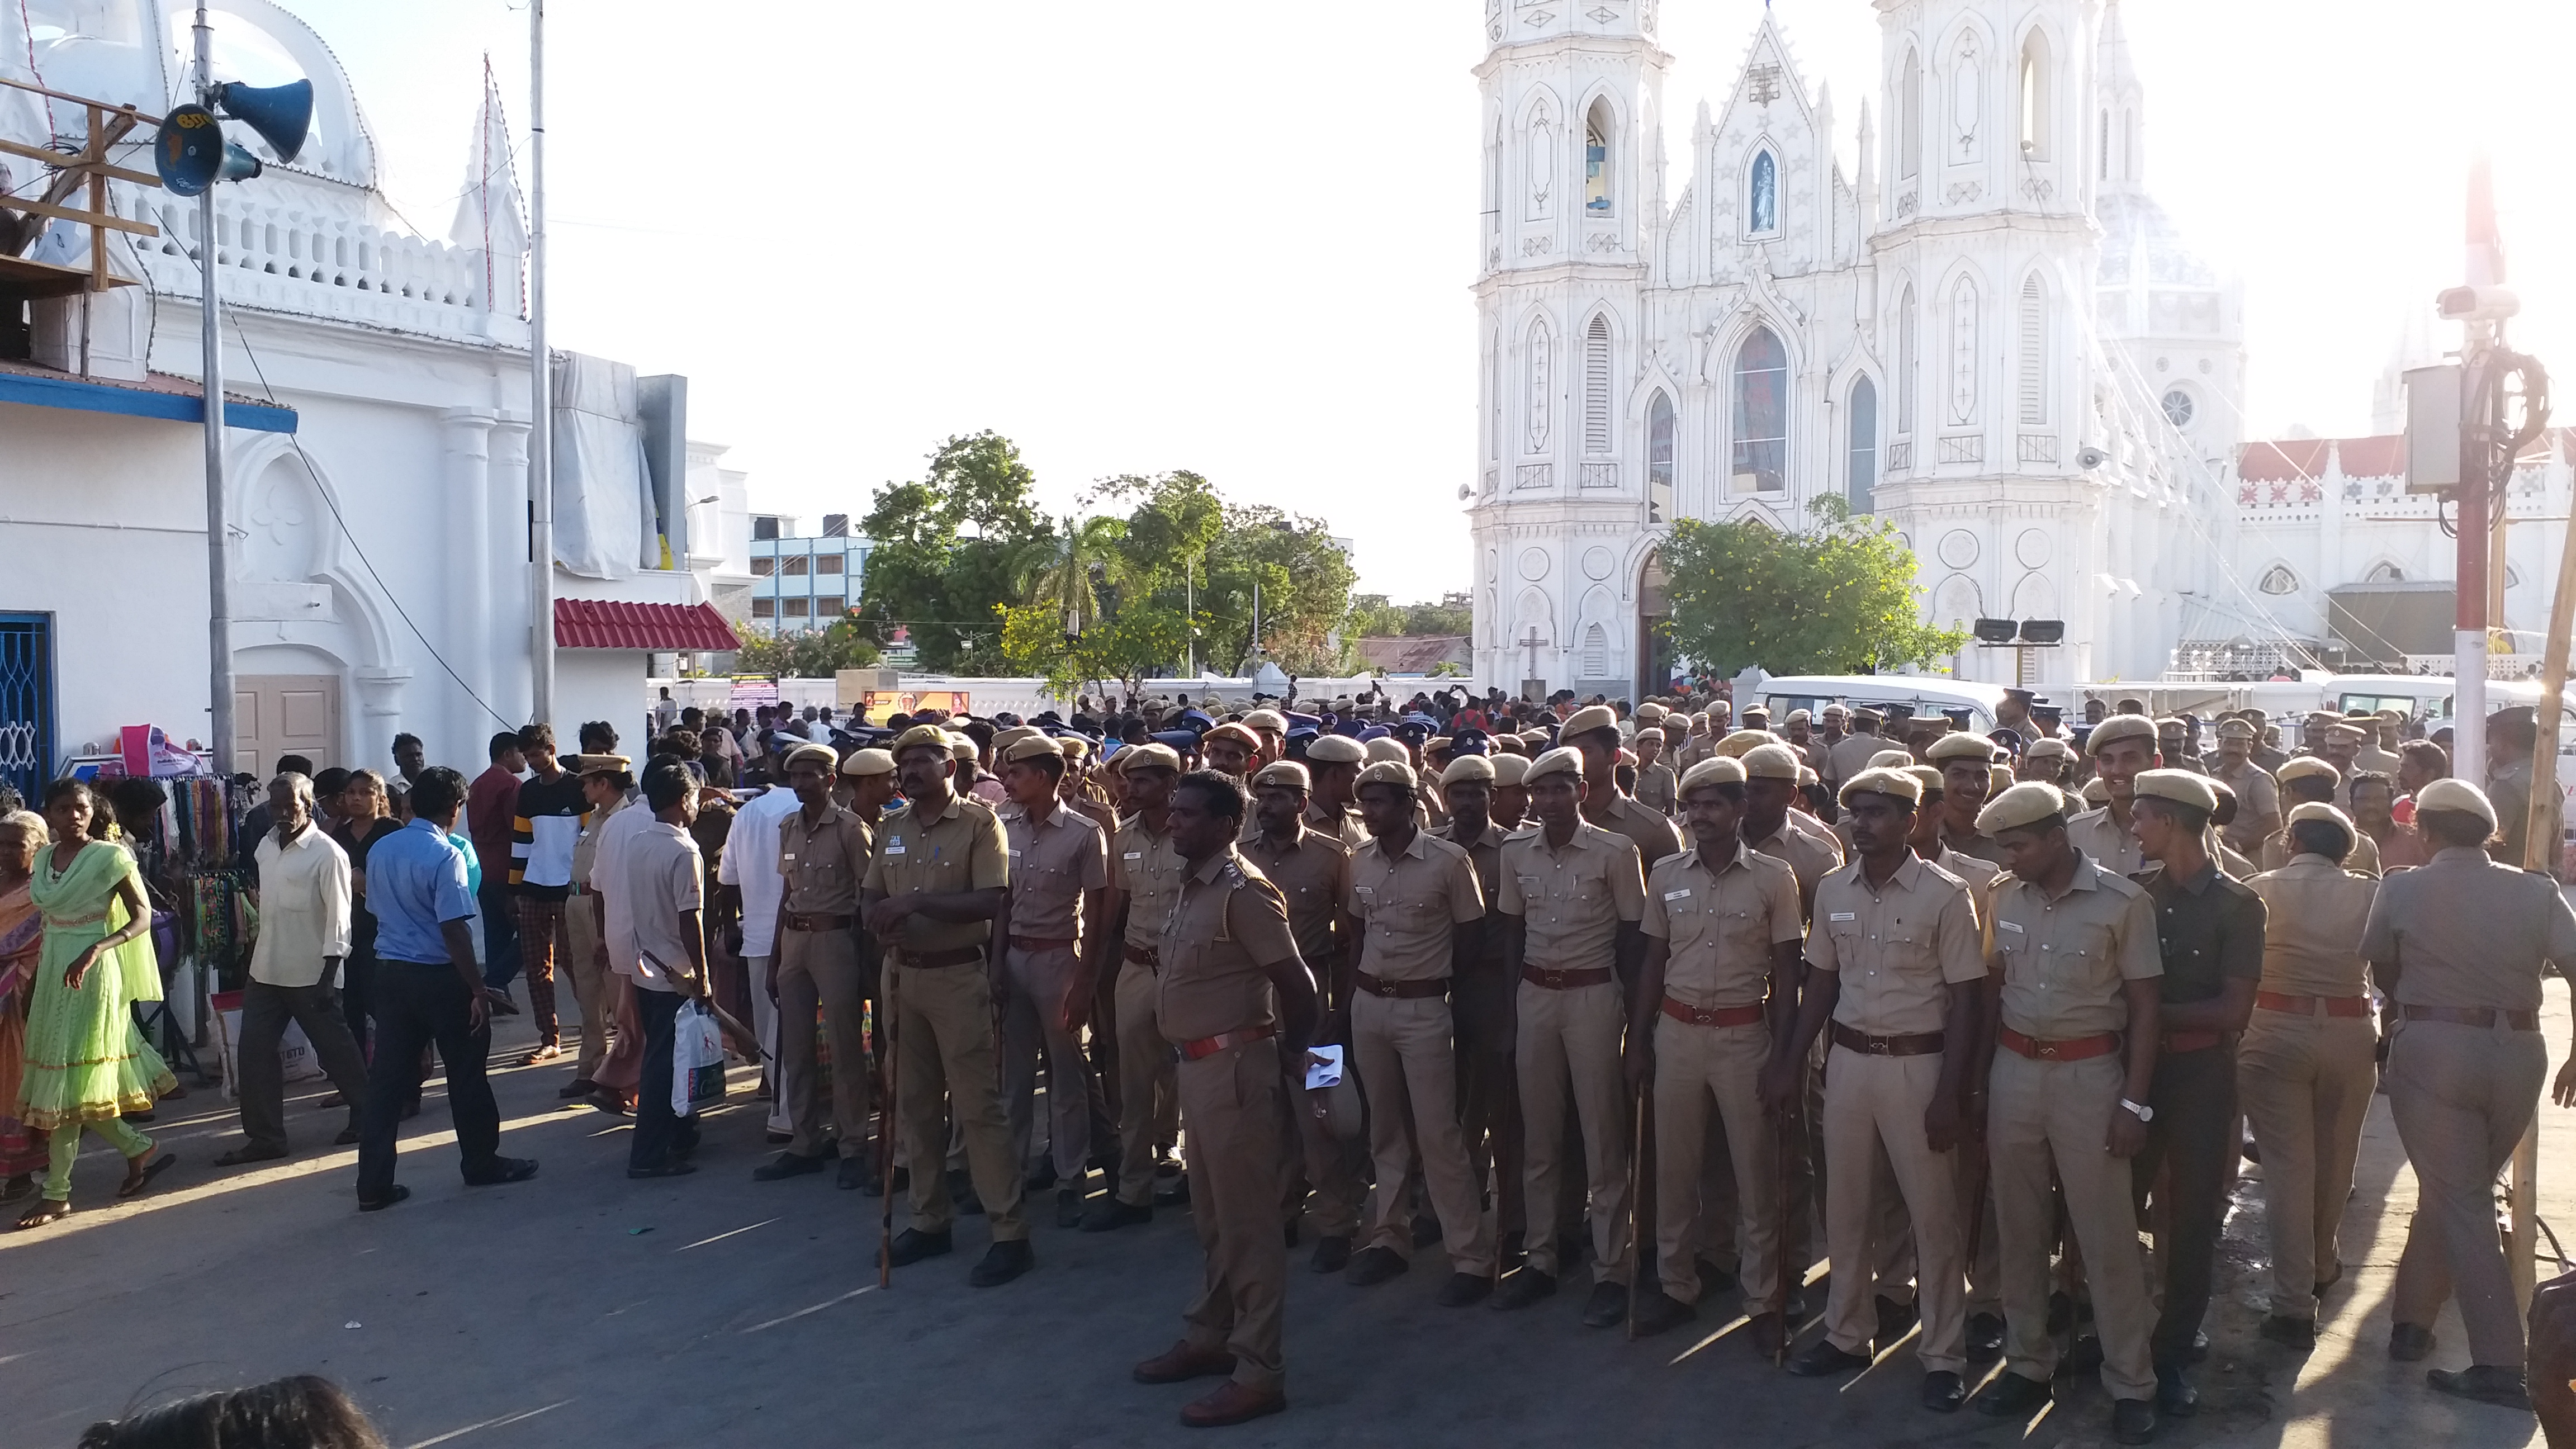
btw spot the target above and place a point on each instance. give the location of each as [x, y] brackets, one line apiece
[1236, 1002]
[2071, 988]
[933, 888]
[1333, 769]
[2306, 778]
[2121, 746]
[2459, 945]
[2045, 761]
[2306, 1065]
[1052, 919]
[2258, 796]
[1658, 788]
[1965, 762]
[1717, 987]
[1595, 732]
[1144, 875]
[1230, 749]
[823, 853]
[1895, 966]
[1572, 896]
[1850, 755]
[1480, 996]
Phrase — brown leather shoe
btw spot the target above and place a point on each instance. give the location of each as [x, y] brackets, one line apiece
[1232, 1403]
[1185, 1361]
[1769, 1336]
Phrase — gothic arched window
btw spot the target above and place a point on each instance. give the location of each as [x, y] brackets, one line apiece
[1909, 378]
[1597, 126]
[1659, 459]
[2279, 580]
[1596, 652]
[2034, 351]
[2034, 97]
[1762, 200]
[1541, 347]
[1761, 461]
[1909, 119]
[1596, 386]
[1860, 449]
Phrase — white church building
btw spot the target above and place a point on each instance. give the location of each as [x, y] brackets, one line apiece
[1985, 332]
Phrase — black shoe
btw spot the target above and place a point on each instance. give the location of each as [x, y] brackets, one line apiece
[1607, 1305]
[1068, 1207]
[1426, 1231]
[1173, 1192]
[393, 1194]
[961, 1191]
[853, 1174]
[1895, 1320]
[2133, 1421]
[786, 1165]
[1658, 1311]
[776, 1138]
[1464, 1290]
[2290, 1332]
[1985, 1337]
[1109, 1214]
[1822, 1360]
[1714, 1280]
[2011, 1396]
[1002, 1263]
[1041, 1177]
[1522, 1289]
[2175, 1397]
[2408, 1342]
[912, 1245]
[1572, 1247]
[1942, 1392]
[1372, 1266]
[503, 1169]
[667, 1169]
[2486, 1383]
[348, 1136]
[1332, 1254]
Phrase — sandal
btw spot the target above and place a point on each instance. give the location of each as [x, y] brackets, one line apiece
[45, 1211]
[140, 1171]
[541, 1055]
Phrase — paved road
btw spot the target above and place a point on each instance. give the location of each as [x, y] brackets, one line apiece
[582, 1309]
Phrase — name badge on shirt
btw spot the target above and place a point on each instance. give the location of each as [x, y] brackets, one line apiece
[1843, 916]
[1367, 895]
[894, 846]
[787, 855]
[1677, 895]
[1135, 855]
[1529, 885]
[2012, 926]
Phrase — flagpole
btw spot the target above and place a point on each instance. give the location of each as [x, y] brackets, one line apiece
[541, 489]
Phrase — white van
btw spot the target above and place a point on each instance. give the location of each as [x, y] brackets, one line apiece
[1926, 695]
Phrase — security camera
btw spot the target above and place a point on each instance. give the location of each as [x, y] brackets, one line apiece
[2477, 304]
[2091, 458]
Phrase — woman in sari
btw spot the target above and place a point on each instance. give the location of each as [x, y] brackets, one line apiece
[22, 940]
[86, 1061]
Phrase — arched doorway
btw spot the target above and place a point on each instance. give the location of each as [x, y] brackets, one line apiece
[1654, 646]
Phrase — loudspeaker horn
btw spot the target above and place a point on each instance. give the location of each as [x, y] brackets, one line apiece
[189, 153]
[283, 115]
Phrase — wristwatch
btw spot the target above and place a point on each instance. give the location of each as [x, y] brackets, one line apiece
[2145, 1112]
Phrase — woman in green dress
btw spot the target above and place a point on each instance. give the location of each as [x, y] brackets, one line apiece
[86, 1061]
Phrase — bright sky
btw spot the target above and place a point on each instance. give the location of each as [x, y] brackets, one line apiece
[1239, 238]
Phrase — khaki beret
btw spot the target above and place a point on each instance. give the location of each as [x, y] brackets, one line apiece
[825, 755]
[1287, 773]
[1890, 760]
[2459, 795]
[2235, 729]
[1771, 762]
[1384, 747]
[619, 764]
[2172, 723]
[2049, 749]
[1961, 745]
[2300, 767]
[2391, 716]
[2344, 732]
[1807, 776]
[1742, 742]
[2024, 804]
[862, 763]
[1800, 716]
[1468, 767]
[1510, 771]
[1998, 779]
[1389, 772]
[1267, 719]
[1588, 719]
[1897, 784]
[1336, 750]
[2117, 728]
[1234, 732]
[921, 736]
[2318, 810]
[2182, 787]
[1719, 706]
[1436, 744]
[1715, 770]
[1563, 760]
[2097, 792]
[1074, 746]
[1929, 778]
[1650, 733]
[963, 747]
[1012, 736]
[1650, 712]
[1835, 709]
[1628, 757]
[1763, 710]
[1535, 739]
[1146, 757]
[1865, 715]
[1034, 747]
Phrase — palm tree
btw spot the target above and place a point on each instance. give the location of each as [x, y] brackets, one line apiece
[1067, 569]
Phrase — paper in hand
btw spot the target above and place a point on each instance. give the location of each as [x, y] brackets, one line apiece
[1326, 1072]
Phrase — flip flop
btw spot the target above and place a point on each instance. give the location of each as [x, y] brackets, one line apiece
[541, 1055]
[137, 1186]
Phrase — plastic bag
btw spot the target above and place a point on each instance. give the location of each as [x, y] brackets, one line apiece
[697, 1060]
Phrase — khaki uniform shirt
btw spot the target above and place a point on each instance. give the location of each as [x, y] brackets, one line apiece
[1850, 755]
[2258, 799]
[1897, 948]
[1658, 788]
[1346, 828]
[1145, 868]
[585, 851]
[1973, 845]
[2376, 760]
[1313, 874]
[1721, 924]
[1806, 855]
[1052, 864]
[2065, 961]
[1650, 831]
[959, 849]
[823, 865]
[1980, 877]
[2465, 931]
[1409, 904]
[2278, 849]
[2099, 836]
[1573, 899]
[2312, 930]
[1226, 925]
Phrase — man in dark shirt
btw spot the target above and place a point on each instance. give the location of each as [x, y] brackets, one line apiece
[491, 803]
[542, 835]
[2210, 928]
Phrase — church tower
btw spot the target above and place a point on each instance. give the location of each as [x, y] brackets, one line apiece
[1572, 205]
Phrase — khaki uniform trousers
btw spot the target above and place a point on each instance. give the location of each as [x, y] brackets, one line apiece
[1874, 1108]
[1034, 984]
[586, 962]
[819, 971]
[1235, 1106]
[2044, 1115]
[1695, 1067]
[944, 1049]
[1144, 1084]
[1409, 1067]
[2306, 1082]
[2462, 1096]
[1569, 1047]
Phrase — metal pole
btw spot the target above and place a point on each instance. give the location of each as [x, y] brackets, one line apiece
[219, 607]
[541, 399]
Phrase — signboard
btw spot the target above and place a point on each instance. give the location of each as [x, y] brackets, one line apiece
[752, 691]
[877, 705]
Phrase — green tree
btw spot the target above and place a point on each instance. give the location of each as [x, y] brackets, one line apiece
[1838, 597]
[1372, 617]
[953, 549]
[807, 654]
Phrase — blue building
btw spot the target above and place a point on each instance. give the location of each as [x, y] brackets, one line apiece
[801, 582]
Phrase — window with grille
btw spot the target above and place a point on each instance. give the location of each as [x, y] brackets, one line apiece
[764, 608]
[830, 606]
[2034, 351]
[794, 567]
[27, 702]
[1909, 119]
[796, 608]
[763, 567]
[1596, 653]
[830, 563]
[1596, 387]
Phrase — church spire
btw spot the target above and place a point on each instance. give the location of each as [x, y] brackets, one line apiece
[2120, 110]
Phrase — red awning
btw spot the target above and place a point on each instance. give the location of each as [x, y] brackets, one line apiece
[616, 624]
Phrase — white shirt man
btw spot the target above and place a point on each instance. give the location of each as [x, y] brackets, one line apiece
[303, 908]
[303, 937]
[750, 864]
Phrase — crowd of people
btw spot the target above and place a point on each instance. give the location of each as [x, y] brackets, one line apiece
[1669, 997]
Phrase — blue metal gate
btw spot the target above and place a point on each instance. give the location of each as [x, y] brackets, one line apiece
[27, 702]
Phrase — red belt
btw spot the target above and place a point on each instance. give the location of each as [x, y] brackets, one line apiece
[1145, 956]
[1043, 943]
[958, 957]
[1918, 1044]
[2307, 1005]
[1208, 1046]
[1565, 980]
[2482, 1017]
[1400, 990]
[2071, 1049]
[1683, 1011]
[815, 923]
[2174, 1043]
